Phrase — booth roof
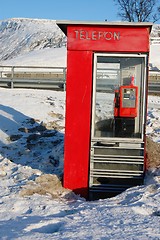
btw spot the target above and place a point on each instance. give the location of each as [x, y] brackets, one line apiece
[64, 23]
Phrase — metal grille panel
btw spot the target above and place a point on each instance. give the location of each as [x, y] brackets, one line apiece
[114, 168]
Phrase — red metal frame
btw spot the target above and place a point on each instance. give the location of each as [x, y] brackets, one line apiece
[77, 128]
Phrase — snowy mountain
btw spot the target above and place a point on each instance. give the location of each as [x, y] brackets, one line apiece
[41, 43]
[20, 36]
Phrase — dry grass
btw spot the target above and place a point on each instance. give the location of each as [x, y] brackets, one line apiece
[153, 154]
[47, 184]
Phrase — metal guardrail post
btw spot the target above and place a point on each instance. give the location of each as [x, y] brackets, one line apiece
[64, 74]
[12, 77]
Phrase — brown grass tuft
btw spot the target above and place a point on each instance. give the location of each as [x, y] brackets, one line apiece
[153, 154]
[46, 184]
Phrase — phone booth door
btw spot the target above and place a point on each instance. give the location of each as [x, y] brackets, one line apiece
[118, 119]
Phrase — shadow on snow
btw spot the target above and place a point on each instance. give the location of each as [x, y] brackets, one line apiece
[28, 142]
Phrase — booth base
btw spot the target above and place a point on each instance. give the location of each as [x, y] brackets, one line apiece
[109, 191]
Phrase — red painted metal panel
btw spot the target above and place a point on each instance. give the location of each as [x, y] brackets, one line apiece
[108, 38]
[78, 118]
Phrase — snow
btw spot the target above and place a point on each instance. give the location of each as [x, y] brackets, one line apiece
[31, 143]
[153, 121]
[154, 55]
[22, 36]
[46, 58]
[33, 204]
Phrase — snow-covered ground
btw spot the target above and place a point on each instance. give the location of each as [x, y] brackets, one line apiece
[50, 57]
[154, 55]
[31, 158]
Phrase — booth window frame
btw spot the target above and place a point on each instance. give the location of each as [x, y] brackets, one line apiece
[143, 93]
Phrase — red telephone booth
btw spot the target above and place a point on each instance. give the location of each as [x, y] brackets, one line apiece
[106, 97]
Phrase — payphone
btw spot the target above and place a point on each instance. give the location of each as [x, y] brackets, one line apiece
[125, 109]
[106, 96]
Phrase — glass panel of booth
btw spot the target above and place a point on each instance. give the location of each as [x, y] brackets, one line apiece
[118, 88]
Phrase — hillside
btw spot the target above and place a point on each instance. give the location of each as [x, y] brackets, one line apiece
[21, 36]
[42, 43]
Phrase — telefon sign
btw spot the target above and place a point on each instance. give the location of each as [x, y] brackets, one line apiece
[96, 35]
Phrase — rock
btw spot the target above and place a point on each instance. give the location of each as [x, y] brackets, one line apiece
[15, 137]
[23, 130]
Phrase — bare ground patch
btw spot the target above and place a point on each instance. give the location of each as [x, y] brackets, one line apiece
[47, 184]
[153, 154]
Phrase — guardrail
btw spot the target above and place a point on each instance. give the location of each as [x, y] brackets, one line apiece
[48, 78]
[29, 76]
